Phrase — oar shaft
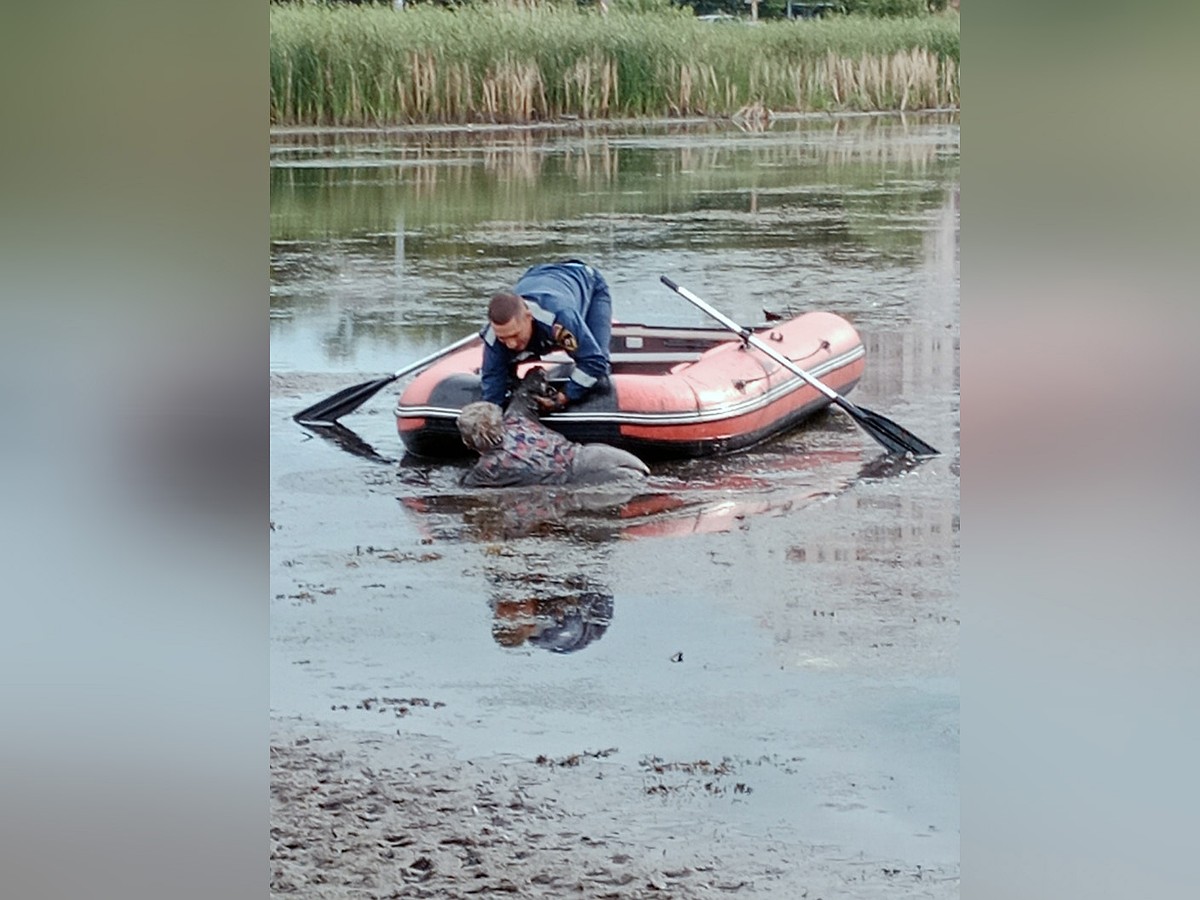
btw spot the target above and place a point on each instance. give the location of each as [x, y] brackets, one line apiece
[329, 410]
[750, 338]
[894, 438]
[436, 355]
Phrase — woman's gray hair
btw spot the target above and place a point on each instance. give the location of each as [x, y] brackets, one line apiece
[481, 425]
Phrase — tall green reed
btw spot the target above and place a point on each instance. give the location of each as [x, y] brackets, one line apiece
[374, 66]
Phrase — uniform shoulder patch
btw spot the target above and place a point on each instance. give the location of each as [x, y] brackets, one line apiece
[565, 339]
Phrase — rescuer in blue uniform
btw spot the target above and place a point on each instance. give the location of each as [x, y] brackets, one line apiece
[554, 306]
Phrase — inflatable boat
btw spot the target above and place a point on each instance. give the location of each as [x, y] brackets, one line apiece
[674, 392]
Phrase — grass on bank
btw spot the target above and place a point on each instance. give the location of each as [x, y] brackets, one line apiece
[376, 66]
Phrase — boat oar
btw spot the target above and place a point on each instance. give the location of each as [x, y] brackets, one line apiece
[332, 408]
[894, 438]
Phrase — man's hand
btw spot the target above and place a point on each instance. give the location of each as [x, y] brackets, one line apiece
[551, 404]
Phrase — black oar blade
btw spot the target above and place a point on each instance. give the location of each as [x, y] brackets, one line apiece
[893, 437]
[344, 401]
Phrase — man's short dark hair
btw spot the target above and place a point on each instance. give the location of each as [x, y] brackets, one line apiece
[504, 307]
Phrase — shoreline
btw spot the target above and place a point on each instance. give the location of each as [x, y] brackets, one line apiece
[581, 124]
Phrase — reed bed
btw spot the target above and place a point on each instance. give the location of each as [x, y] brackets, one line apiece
[377, 66]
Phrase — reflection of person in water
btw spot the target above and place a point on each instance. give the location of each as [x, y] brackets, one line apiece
[560, 624]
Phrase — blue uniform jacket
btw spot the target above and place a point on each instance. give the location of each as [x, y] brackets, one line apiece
[563, 298]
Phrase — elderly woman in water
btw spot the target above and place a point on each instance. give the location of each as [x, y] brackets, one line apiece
[516, 449]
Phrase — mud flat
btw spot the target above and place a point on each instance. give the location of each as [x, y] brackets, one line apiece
[359, 815]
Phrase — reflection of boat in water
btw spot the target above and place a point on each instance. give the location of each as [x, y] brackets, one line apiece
[501, 514]
[702, 496]
[724, 499]
[674, 393]
[536, 605]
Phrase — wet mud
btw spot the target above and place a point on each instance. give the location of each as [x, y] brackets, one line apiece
[376, 817]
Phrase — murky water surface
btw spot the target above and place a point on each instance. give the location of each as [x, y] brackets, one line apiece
[791, 609]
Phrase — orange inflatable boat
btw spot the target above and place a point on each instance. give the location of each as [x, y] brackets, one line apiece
[674, 392]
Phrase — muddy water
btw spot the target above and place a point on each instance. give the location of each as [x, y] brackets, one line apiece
[791, 610]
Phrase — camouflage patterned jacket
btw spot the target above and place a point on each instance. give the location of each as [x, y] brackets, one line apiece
[530, 454]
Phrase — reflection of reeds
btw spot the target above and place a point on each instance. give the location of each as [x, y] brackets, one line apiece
[371, 65]
[753, 117]
[424, 174]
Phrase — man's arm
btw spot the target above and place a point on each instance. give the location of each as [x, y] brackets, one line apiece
[591, 361]
[494, 374]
